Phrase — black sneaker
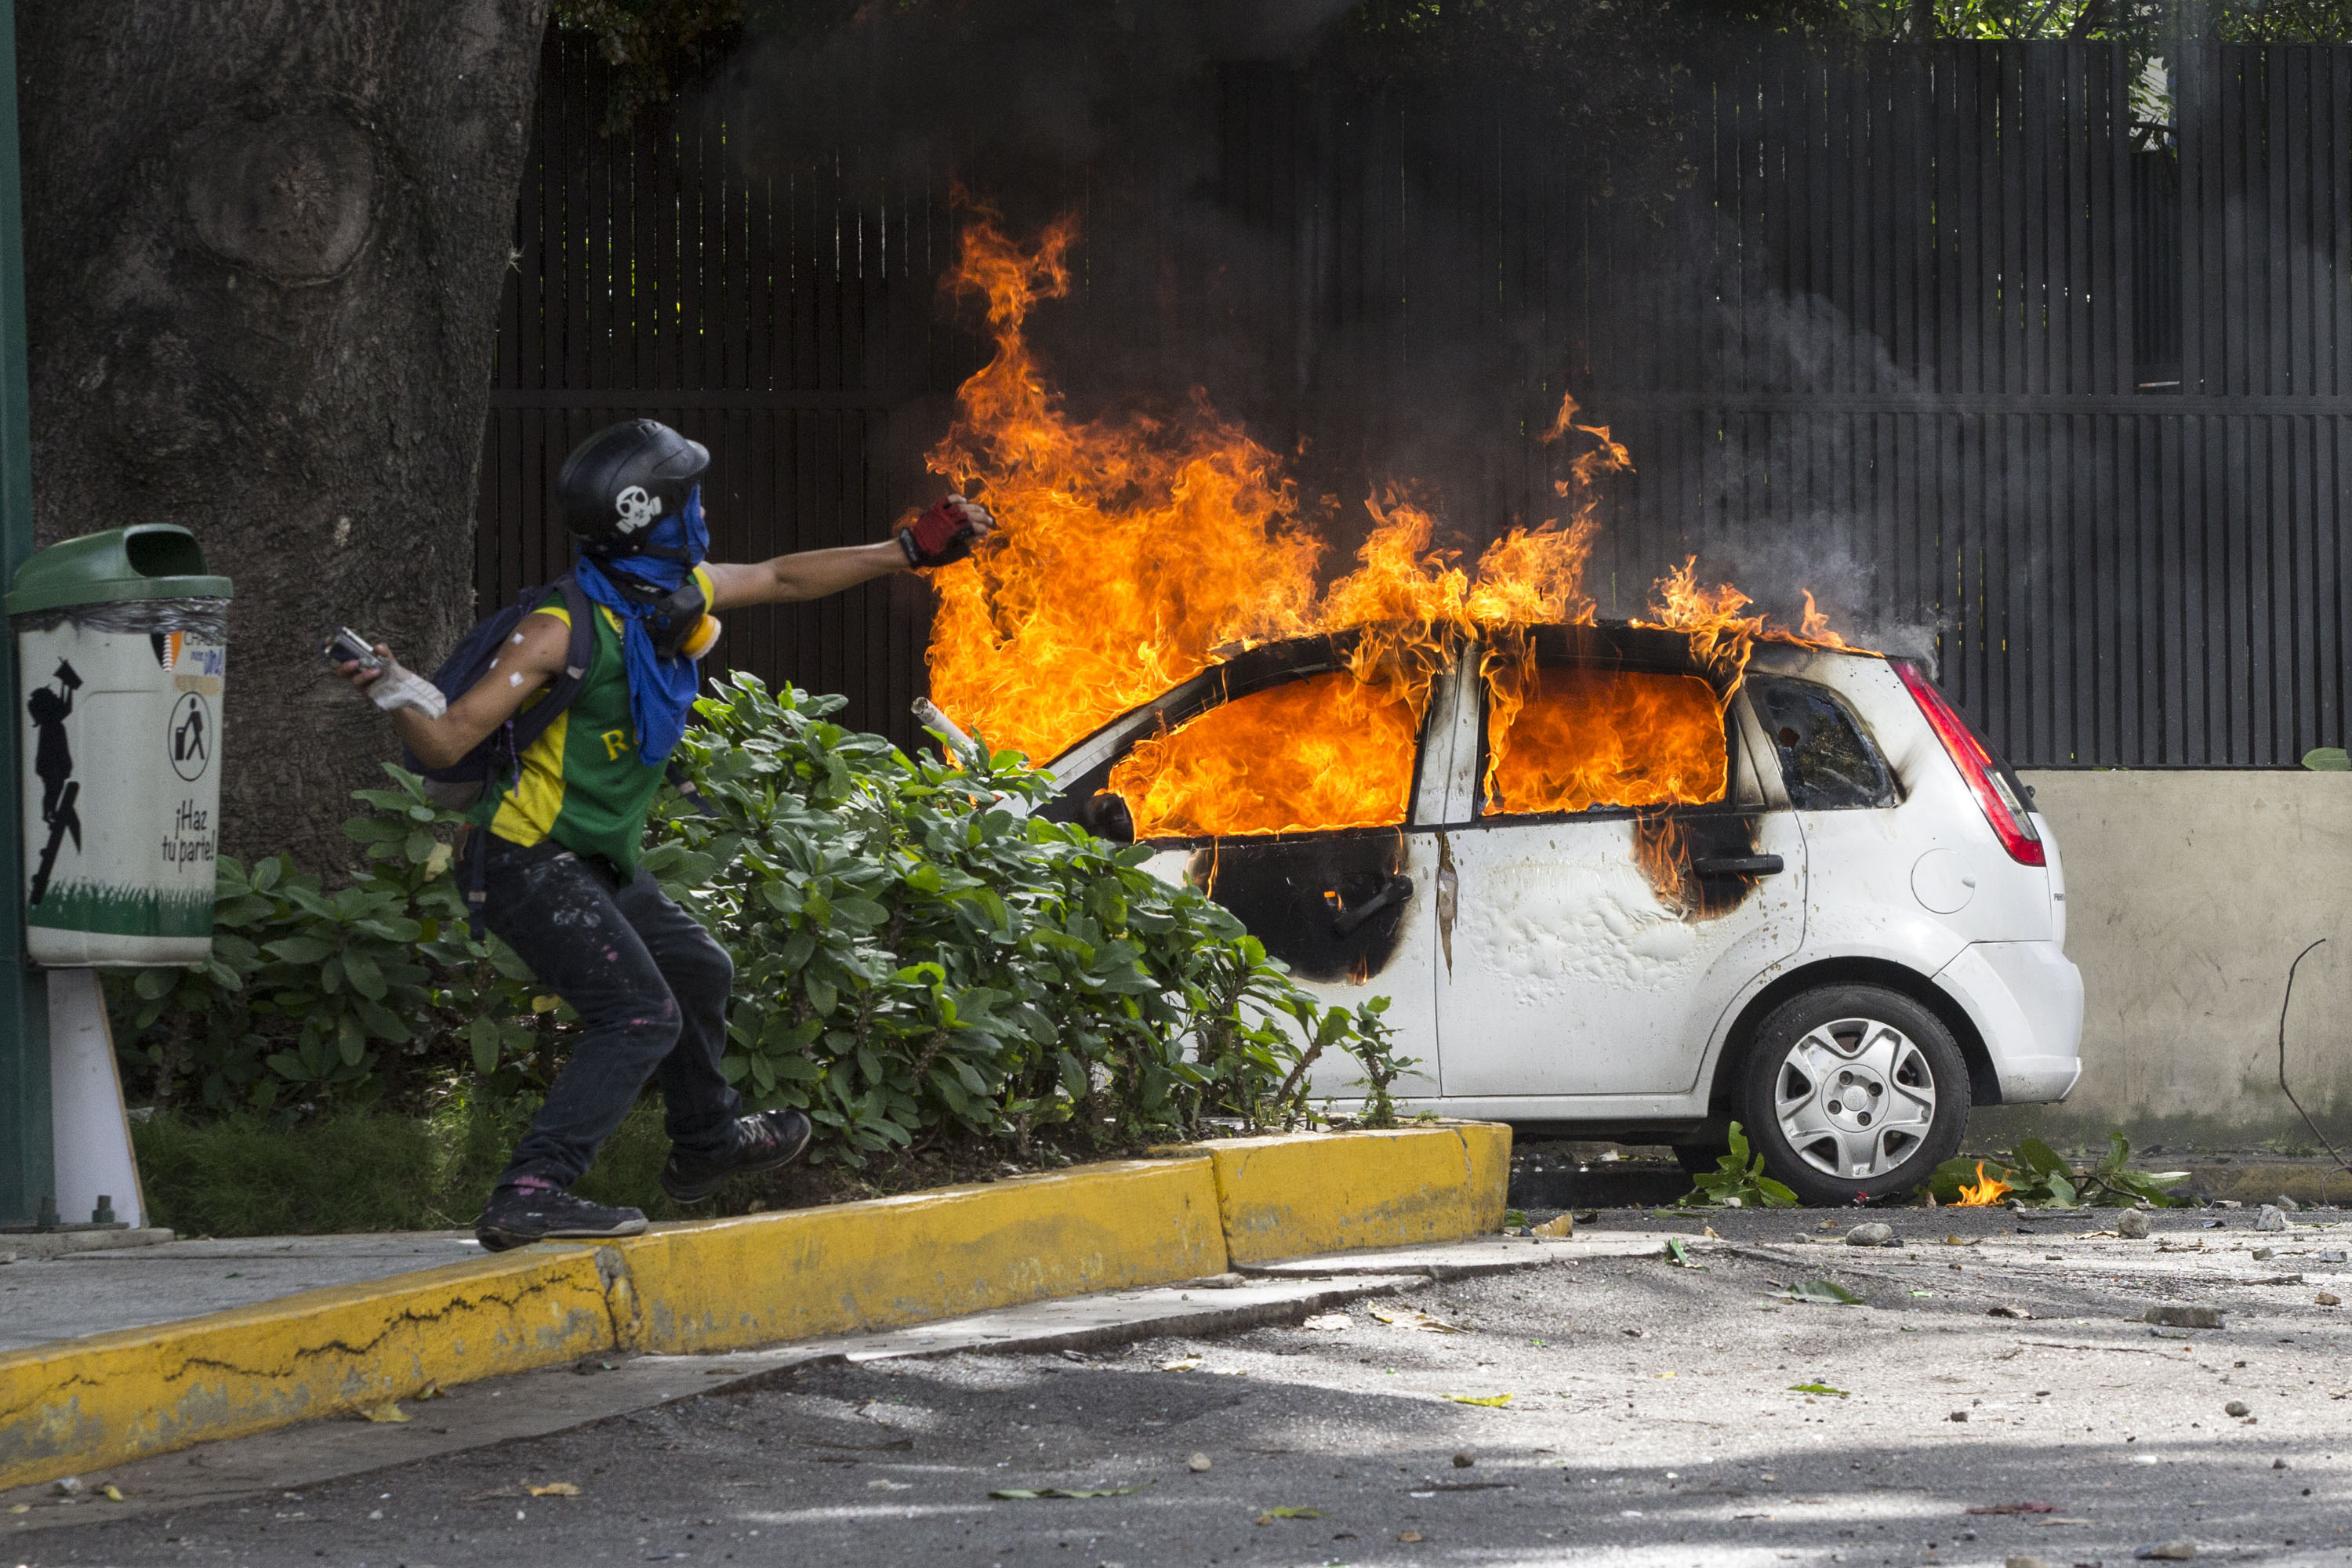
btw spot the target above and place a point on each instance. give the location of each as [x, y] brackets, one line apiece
[516, 1217]
[763, 1142]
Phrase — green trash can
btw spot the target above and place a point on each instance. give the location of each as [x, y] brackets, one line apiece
[121, 649]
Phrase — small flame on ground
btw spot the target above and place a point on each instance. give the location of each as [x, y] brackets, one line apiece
[1134, 551]
[1986, 1192]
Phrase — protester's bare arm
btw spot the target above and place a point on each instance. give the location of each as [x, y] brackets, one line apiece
[529, 661]
[952, 526]
[810, 574]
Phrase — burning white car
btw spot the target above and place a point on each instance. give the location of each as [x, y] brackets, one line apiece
[1617, 888]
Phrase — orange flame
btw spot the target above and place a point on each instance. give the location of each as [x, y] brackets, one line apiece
[1985, 1192]
[1815, 626]
[1134, 551]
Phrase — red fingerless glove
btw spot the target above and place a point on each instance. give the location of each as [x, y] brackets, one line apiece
[941, 536]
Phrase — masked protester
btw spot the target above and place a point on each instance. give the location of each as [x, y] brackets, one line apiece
[561, 876]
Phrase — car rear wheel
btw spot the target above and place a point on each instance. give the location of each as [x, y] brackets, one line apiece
[1854, 1093]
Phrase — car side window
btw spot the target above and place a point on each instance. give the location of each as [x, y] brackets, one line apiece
[1325, 752]
[1826, 762]
[1576, 738]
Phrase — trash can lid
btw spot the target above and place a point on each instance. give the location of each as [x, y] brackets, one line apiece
[145, 560]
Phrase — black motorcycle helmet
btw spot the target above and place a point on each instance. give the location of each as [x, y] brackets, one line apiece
[622, 480]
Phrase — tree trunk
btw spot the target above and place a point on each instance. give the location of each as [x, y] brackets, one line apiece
[264, 245]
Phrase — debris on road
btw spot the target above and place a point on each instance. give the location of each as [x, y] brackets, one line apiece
[2178, 1317]
[1816, 1388]
[1270, 1515]
[2005, 1311]
[2132, 1225]
[1556, 1229]
[1413, 1318]
[2272, 1218]
[389, 1410]
[1871, 1233]
[1827, 1292]
[1491, 1401]
[2167, 1551]
[2236, 1407]
[1329, 1322]
[1198, 1464]
[1182, 1363]
[554, 1489]
[1035, 1494]
[1678, 1254]
[1464, 1461]
[2011, 1508]
[2328, 1298]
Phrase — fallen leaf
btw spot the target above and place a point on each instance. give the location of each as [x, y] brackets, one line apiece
[1816, 1388]
[1270, 1515]
[430, 1391]
[2017, 1508]
[389, 1410]
[1413, 1318]
[1330, 1322]
[1491, 1401]
[1678, 1254]
[1409, 1536]
[1027, 1494]
[111, 1492]
[2328, 1298]
[2007, 1311]
[21, 1508]
[554, 1489]
[1555, 1229]
[1182, 1363]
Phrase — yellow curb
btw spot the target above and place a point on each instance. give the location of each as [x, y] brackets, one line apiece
[1296, 1196]
[82, 1404]
[768, 1277]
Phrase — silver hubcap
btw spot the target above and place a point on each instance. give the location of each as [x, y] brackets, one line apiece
[1856, 1098]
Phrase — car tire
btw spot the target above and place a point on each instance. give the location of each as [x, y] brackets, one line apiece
[1854, 1093]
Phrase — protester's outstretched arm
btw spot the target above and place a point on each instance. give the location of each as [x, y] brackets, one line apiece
[944, 534]
[540, 645]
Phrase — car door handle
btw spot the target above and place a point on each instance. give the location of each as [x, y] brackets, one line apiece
[1399, 889]
[1739, 866]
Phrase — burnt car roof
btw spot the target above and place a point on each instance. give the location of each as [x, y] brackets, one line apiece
[1616, 643]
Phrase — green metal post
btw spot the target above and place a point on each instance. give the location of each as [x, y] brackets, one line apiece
[27, 1161]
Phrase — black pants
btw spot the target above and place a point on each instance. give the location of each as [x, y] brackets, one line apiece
[651, 987]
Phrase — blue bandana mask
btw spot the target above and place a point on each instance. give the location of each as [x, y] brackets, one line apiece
[661, 690]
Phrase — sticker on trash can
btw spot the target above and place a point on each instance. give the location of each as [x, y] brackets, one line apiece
[122, 736]
[191, 728]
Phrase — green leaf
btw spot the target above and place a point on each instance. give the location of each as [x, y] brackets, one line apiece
[2327, 760]
[1816, 1388]
[299, 950]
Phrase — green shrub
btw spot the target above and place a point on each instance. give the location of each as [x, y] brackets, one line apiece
[917, 959]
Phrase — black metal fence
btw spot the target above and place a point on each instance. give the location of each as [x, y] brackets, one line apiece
[2015, 347]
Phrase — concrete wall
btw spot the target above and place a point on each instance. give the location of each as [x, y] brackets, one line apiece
[2187, 895]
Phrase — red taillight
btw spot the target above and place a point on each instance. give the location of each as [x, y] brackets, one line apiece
[2000, 804]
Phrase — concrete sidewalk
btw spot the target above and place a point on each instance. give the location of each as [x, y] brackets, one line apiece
[91, 1292]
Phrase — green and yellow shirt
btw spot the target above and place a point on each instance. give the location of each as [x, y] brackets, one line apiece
[581, 783]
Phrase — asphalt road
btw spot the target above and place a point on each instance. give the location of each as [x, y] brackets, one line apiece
[1652, 1418]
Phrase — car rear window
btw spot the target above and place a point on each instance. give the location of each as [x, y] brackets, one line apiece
[1575, 738]
[1326, 751]
[1826, 760]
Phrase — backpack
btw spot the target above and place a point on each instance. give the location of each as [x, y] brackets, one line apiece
[474, 782]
